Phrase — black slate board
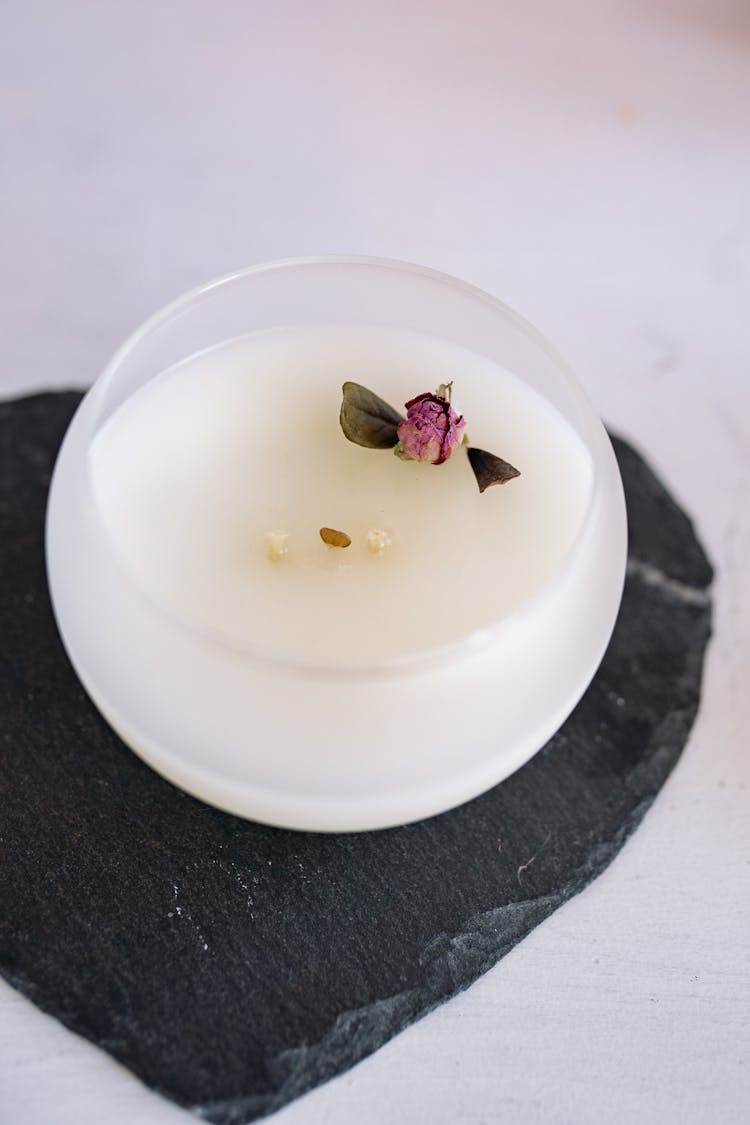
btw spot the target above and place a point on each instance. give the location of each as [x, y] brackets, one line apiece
[233, 966]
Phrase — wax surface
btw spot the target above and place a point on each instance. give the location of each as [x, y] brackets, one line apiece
[193, 470]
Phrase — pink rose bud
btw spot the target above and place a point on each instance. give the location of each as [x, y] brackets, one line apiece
[431, 430]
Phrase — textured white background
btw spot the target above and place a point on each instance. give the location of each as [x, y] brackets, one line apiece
[589, 163]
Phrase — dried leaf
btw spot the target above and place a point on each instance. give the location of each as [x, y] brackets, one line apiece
[489, 469]
[366, 419]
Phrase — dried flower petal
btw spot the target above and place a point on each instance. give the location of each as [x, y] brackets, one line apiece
[335, 538]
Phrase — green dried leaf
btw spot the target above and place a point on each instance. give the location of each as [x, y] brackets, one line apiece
[366, 419]
[489, 469]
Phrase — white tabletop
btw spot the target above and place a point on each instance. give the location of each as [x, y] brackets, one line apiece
[587, 162]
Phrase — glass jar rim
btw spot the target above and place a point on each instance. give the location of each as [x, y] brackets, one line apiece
[475, 642]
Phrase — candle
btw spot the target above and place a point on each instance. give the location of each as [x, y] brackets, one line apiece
[314, 685]
[193, 470]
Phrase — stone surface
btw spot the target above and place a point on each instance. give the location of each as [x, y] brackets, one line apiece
[233, 966]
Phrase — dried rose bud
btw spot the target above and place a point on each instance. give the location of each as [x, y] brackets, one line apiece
[431, 430]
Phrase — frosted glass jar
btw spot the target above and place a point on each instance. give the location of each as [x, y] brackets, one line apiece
[230, 698]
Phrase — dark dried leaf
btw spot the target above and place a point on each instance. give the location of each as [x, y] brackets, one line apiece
[489, 469]
[366, 419]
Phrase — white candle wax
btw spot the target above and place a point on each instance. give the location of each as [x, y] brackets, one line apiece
[194, 469]
[332, 688]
